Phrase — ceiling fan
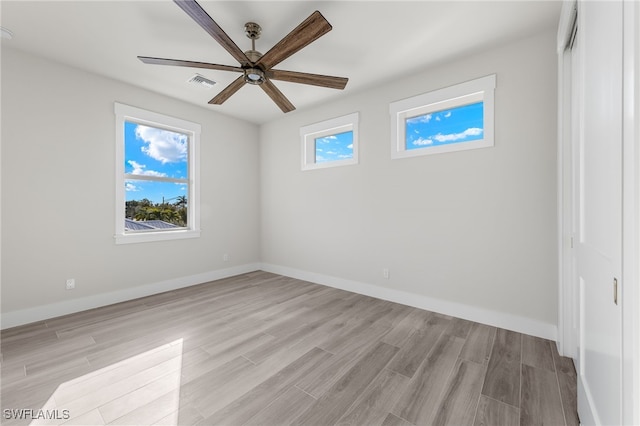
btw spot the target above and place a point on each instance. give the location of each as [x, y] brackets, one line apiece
[256, 68]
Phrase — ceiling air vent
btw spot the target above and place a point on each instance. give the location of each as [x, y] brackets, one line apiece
[202, 81]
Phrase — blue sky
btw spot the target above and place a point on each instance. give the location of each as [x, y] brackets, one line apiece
[334, 147]
[456, 125]
[150, 151]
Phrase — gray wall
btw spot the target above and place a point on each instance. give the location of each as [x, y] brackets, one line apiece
[58, 136]
[475, 228]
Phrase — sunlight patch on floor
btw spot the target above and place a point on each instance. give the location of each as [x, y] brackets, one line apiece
[142, 389]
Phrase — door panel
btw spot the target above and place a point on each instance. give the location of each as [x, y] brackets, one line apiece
[599, 192]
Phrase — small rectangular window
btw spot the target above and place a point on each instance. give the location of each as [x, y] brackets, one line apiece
[156, 197]
[330, 143]
[335, 147]
[455, 118]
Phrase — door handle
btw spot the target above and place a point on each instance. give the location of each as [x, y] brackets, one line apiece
[615, 291]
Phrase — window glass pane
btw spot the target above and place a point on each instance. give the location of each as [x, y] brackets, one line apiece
[451, 126]
[152, 205]
[150, 151]
[334, 147]
[155, 202]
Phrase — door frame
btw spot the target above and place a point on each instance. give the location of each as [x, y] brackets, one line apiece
[631, 214]
[630, 279]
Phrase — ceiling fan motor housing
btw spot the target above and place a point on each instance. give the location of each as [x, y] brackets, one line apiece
[254, 75]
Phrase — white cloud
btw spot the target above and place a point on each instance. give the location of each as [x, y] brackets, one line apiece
[448, 114]
[422, 142]
[420, 119]
[326, 139]
[139, 169]
[163, 145]
[472, 131]
[129, 187]
[437, 118]
[331, 152]
[350, 146]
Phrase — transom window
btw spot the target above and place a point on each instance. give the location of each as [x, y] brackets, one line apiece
[155, 174]
[455, 118]
[330, 143]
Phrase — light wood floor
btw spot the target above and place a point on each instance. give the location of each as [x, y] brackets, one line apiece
[262, 349]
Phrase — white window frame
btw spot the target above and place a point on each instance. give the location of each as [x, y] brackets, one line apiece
[138, 115]
[478, 90]
[334, 126]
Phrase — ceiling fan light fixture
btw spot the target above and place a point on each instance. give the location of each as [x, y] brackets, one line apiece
[253, 76]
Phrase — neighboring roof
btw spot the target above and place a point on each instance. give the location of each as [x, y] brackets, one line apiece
[146, 225]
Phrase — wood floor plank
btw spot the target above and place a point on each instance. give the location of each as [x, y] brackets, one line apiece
[503, 372]
[460, 401]
[262, 352]
[459, 328]
[536, 352]
[400, 332]
[477, 347]
[41, 351]
[393, 420]
[285, 409]
[346, 336]
[373, 405]
[317, 383]
[200, 386]
[260, 397]
[491, 412]
[417, 347]
[187, 414]
[540, 400]
[152, 411]
[424, 392]
[337, 400]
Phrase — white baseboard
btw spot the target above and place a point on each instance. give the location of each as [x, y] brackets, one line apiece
[26, 316]
[484, 316]
[587, 415]
[472, 313]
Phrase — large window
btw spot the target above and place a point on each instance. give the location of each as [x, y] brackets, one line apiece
[330, 143]
[455, 118]
[156, 176]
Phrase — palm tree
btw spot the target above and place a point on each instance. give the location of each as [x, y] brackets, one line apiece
[182, 201]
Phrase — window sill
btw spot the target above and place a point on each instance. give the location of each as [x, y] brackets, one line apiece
[132, 238]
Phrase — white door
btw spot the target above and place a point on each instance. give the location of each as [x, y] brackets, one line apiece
[599, 210]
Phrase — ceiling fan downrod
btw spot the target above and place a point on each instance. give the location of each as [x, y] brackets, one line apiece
[253, 75]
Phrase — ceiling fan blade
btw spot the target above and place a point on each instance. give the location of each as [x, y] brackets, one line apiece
[198, 14]
[226, 93]
[192, 64]
[308, 31]
[277, 96]
[306, 78]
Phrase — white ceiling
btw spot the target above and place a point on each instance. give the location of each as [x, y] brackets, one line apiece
[372, 42]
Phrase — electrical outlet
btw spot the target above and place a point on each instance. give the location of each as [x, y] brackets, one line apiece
[385, 273]
[225, 257]
[71, 284]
